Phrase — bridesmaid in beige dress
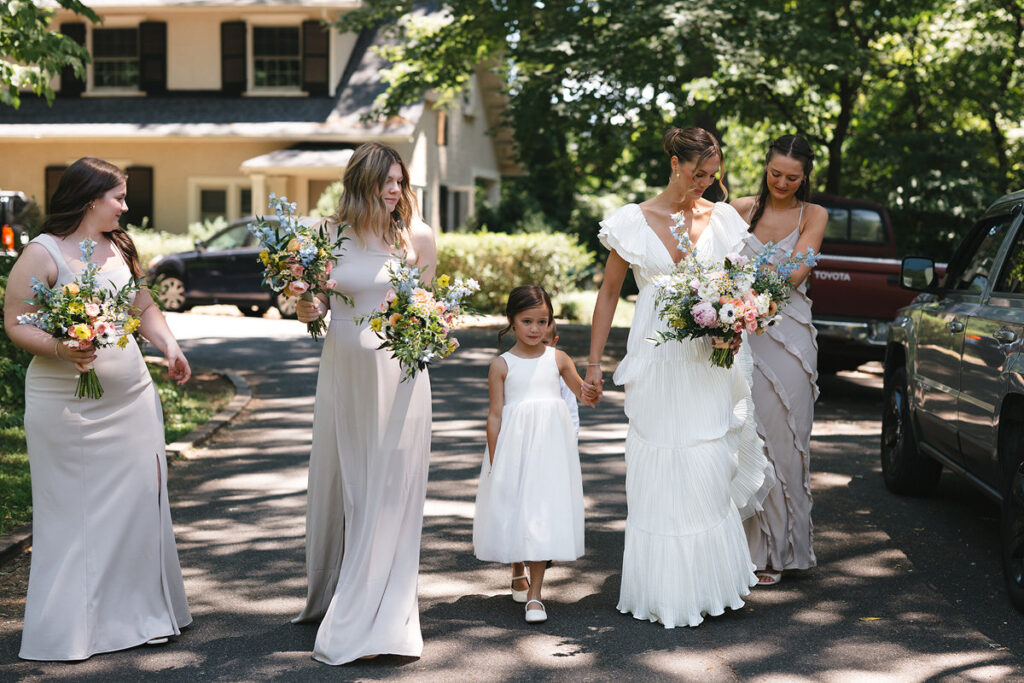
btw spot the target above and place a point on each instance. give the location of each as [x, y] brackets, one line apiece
[785, 362]
[371, 433]
[105, 573]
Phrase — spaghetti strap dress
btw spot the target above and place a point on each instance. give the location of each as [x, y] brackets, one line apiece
[104, 573]
[785, 388]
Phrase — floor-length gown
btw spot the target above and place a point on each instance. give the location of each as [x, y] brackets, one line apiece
[367, 479]
[105, 573]
[785, 388]
[694, 463]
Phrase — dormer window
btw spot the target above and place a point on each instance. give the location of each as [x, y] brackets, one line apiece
[115, 58]
[276, 57]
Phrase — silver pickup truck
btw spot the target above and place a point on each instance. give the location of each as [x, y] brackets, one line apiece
[954, 376]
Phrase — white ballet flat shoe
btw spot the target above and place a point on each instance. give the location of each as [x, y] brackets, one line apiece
[520, 596]
[536, 616]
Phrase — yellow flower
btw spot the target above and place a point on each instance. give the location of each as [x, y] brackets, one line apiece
[71, 289]
[444, 281]
[81, 331]
[76, 307]
[122, 341]
[265, 257]
[131, 325]
[376, 324]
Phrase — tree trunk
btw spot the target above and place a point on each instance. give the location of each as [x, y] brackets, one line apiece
[834, 176]
[999, 144]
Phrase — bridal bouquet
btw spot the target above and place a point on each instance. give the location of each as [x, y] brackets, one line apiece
[297, 259]
[722, 299]
[83, 314]
[414, 321]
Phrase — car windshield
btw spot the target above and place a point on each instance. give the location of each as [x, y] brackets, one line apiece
[234, 237]
[987, 240]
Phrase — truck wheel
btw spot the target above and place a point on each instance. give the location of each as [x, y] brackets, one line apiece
[1012, 517]
[171, 293]
[906, 470]
[253, 310]
[286, 305]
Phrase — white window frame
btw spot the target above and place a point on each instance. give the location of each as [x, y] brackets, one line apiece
[271, 21]
[233, 186]
[91, 89]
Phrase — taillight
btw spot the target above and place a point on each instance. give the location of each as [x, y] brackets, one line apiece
[7, 237]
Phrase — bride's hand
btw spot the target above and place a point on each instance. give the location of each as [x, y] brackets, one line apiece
[592, 390]
[308, 311]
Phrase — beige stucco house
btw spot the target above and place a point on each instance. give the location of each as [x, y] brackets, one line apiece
[211, 105]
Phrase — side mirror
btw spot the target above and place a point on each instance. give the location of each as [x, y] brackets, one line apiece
[917, 273]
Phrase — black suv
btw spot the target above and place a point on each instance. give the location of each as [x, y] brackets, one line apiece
[954, 376]
[223, 269]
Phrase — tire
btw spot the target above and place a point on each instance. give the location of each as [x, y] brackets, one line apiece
[171, 293]
[1012, 524]
[253, 310]
[905, 469]
[286, 305]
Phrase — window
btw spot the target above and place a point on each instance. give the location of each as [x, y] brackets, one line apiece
[213, 204]
[1011, 279]
[442, 129]
[53, 174]
[276, 57]
[245, 201]
[139, 197]
[854, 225]
[978, 259]
[838, 226]
[115, 57]
[454, 208]
[232, 238]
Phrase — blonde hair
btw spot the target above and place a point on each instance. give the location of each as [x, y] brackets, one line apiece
[361, 204]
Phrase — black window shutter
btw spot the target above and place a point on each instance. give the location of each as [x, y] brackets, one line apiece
[70, 84]
[153, 57]
[139, 197]
[232, 57]
[315, 54]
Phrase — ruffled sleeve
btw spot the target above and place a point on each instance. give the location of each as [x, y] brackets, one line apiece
[623, 231]
[731, 231]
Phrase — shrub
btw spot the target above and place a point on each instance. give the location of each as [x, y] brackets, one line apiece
[501, 261]
[13, 360]
[152, 243]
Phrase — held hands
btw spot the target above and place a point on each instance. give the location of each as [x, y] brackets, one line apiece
[308, 311]
[592, 390]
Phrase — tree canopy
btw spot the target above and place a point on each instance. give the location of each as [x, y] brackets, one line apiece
[914, 103]
[30, 54]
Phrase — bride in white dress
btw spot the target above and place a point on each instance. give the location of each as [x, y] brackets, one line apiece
[694, 462]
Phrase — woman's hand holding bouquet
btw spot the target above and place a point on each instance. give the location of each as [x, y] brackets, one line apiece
[723, 299]
[84, 316]
[297, 259]
[414, 321]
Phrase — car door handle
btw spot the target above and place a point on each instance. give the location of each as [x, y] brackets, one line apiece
[955, 326]
[1005, 336]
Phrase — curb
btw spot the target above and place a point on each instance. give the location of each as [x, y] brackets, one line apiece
[18, 538]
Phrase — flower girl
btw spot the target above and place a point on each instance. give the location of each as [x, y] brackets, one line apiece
[529, 505]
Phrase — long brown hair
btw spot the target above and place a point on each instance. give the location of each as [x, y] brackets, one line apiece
[522, 298]
[361, 204]
[85, 181]
[695, 144]
[796, 147]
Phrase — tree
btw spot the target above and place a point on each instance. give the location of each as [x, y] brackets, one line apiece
[30, 54]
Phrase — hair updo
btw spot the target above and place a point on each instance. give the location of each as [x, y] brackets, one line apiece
[695, 145]
[794, 147]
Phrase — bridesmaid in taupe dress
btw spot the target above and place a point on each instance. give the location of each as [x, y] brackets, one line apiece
[785, 362]
[105, 573]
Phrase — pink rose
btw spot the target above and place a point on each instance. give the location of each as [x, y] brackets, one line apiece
[92, 310]
[296, 288]
[737, 326]
[328, 266]
[737, 259]
[695, 284]
[331, 284]
[704, 314]
[750, 315]
[296, 270]
[751, 325]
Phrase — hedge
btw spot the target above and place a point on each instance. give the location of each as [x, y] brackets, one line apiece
[13, 361]
[500, 261]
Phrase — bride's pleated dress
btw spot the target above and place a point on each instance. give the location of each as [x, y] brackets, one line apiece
[695, 465]
[367, 480]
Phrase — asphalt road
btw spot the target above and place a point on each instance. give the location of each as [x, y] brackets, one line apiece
[907, 589]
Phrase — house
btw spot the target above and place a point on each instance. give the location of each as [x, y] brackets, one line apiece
[211, 105]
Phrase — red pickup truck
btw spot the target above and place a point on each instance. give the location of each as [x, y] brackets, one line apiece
[855, 286]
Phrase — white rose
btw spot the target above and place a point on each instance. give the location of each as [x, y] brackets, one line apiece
[708, 292]
[763, 303]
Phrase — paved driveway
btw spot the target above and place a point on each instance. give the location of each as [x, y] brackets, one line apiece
[907, 589]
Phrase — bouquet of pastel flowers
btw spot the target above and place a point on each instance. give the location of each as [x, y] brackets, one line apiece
[414, 321]
[297, 258]
[722, 299]
[84, 314]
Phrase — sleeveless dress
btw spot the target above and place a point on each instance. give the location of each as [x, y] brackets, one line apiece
[529, 503]
[367, 479]
[694, 463]
[785, 388]
[105, 573]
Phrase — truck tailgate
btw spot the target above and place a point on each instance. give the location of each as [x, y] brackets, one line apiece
[857, 287]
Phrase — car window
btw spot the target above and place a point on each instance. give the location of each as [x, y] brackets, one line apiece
[1011, 278]
[987, 240]
[838, 226]
[866, 226]
[232, 238]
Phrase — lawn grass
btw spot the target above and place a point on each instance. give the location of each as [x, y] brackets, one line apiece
[185, 408]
